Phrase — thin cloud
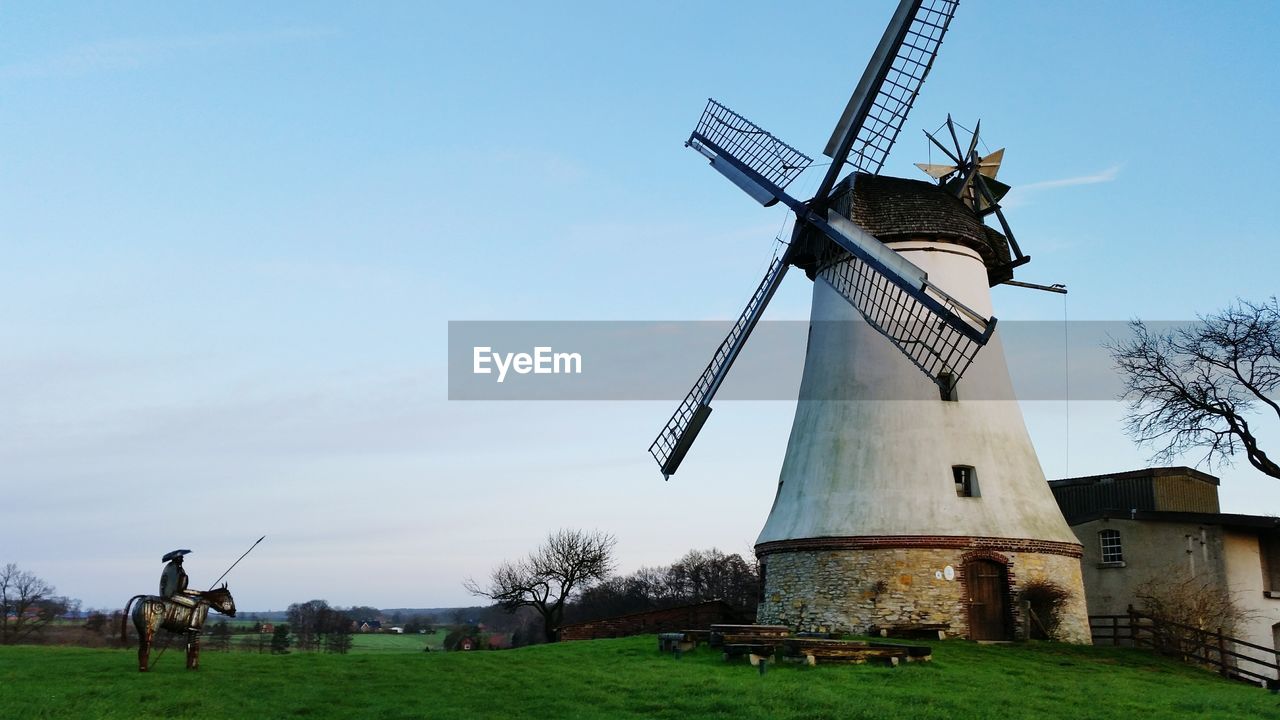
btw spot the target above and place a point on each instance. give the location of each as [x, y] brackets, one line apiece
[1100, 177]
[132, 53]
[1020, 194]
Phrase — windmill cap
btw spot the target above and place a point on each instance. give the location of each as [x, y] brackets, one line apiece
[892, 208]
[173, 554]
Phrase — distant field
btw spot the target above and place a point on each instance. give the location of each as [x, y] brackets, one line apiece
[392, 643]
[617, 680]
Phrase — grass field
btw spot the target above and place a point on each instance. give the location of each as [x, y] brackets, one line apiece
[392, 643]
[616, 679]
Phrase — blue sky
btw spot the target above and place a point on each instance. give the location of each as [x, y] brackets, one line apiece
[233, 236]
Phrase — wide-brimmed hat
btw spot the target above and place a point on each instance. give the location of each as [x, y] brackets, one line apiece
[173, 554]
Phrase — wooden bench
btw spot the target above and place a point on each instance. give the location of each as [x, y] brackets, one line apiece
[701, 637]
[917, 630]
[813, 650]
[755, 651]
[673, 642]
[718, 633]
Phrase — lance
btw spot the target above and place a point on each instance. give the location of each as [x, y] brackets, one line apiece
[237, 562]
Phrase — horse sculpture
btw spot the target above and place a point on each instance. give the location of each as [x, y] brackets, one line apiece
[153, 613]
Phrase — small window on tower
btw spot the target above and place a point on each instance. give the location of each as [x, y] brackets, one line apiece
[966, 480]
[1112, 554]
[947, 386]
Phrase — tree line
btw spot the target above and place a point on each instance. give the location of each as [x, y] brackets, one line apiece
[28, 604]
[569, 578]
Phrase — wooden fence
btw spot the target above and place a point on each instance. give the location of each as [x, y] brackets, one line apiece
[1232, 657]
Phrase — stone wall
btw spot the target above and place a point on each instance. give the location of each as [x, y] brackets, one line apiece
[851, 590]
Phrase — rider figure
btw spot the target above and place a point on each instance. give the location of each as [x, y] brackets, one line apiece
[173, 580]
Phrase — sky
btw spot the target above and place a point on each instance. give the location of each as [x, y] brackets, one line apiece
[232, 239]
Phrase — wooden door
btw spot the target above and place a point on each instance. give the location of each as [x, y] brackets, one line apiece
[987, 584]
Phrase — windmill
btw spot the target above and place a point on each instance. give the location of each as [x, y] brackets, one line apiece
[879, 489]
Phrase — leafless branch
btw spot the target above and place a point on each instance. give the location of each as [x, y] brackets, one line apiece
[27, 604]
[1193, 387]
[568, 561]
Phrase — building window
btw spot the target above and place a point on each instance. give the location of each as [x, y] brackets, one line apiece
[966, 480]
[1111, 552]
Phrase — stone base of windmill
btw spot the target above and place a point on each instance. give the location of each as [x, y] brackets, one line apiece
[861, 589]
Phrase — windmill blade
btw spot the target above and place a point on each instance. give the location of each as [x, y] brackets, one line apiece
[935, 171]
[934, 330]
[671, 445]
[973, 141]
[745, 153]
[989, 165]
[888, 88]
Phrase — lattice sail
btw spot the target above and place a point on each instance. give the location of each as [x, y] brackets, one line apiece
[891, 83]
[936, 333]
[757, 149]
[673, 442]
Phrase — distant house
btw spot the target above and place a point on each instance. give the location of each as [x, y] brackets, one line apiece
[1137, 525]
[267, 628]
[684, 617]
[370, 626]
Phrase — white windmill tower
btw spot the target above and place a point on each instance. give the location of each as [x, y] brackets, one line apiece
[907, 496]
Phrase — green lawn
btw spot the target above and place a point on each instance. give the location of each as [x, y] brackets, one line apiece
[617, 679]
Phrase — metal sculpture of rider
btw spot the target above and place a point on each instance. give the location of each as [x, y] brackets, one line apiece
[173, 580]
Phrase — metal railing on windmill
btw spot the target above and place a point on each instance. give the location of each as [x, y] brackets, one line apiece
[936, 332]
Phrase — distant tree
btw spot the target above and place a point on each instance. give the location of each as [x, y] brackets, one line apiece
[280, 639]
[360, 613]
[420, 623]
[1194, 387]
[313, 622]
[308, 622]
[455, 638]
[337, 638]
[96, 621]
[115, 620]
[703, 575]
[567, 562]
[27, 604]
[698, 576]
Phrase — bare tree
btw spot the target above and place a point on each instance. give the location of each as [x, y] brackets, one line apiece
[567, 562]
[1199, 604]
[27, 604]
[1194, 387]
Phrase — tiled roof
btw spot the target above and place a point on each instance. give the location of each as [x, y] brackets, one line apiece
[893, 208]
